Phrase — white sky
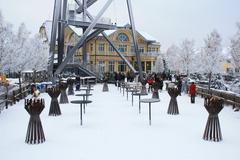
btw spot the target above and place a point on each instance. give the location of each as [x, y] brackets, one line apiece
[170, 21]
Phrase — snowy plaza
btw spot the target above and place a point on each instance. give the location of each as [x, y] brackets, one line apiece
[113, 129]
[119, 80]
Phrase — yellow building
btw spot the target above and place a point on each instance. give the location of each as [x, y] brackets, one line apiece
[102, 57]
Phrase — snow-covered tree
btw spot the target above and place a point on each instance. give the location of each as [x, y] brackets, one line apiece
[186, 56]
[39, 53]
[22, 46]
[235, 47]
[172, 58]
[210, 60]
[159, 66]
[6, 38]
[21, 52]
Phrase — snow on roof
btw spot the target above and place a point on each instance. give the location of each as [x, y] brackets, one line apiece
[109, 32]
[48, 26]
[76, 30]
[147, 36]
[27, 71]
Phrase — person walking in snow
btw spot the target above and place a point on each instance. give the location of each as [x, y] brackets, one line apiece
[192, 92]
[179, 85]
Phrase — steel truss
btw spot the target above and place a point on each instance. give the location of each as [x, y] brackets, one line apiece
[90, 31]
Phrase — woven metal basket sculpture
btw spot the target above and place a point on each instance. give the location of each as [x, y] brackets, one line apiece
[70, 83]
[35, 134]
[173, 105]
[54, 106]
[63, 97]
[105, 87]
[212, 130]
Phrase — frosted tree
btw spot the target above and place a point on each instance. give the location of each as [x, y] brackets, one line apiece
[22, 47]
[39, 53]
[172, 58]
[186, 56]
[210, 59]
[235, 47]
[159, 66]
[6, 38]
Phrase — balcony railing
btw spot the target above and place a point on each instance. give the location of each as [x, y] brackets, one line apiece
[146, 54]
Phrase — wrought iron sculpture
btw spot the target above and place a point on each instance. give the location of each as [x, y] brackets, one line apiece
[63, 97]
[35, 134]
[173, 105]
[54, 106]
[212, 130]
[105, 80]
[70, 83]
[105, 87]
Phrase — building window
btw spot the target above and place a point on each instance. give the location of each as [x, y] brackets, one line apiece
[121, 66]
[148, 66]
[132, 49]
[122, 48]
[123, 37]
[151, 49]
[111, 66]
[91, 47]
[101, 66]
[110, 48]
[101, 47]
[141, 49]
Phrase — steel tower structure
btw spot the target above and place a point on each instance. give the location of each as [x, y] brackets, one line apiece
[91, 27]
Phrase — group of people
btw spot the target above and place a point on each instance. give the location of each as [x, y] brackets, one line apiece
[120, 77]
[156, 81]
[189, 88]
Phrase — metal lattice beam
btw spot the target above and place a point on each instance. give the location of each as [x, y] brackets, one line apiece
[112, 44]
[82, 39]
[135, 40]
[89, 3]
[53, 35]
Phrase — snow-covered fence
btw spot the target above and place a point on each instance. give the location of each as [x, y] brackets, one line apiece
[14, 96]
[228, 97]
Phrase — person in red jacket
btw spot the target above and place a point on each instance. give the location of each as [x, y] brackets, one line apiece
[192, 92]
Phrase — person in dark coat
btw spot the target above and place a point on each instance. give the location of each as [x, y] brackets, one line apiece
[128, 76]
[161, 84]
[192, 92]
[77, 81]
[179, 86]
[115, 78]
[132, 76]
[122, 78]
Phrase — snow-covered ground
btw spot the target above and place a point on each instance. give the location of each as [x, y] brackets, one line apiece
[114, 130]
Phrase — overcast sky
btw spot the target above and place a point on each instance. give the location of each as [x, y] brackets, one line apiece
[169, 21]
